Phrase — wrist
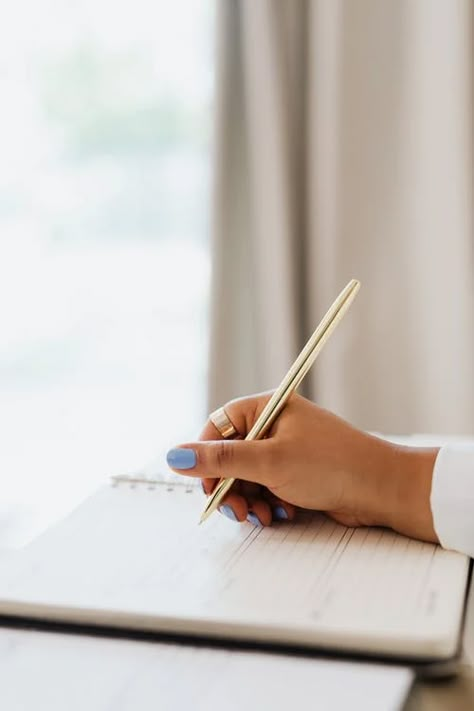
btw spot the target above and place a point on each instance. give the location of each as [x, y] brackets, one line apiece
[405, 485]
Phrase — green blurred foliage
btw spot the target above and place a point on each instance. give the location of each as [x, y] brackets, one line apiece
[109, 104]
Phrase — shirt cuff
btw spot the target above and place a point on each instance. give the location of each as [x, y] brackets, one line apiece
[452, 497]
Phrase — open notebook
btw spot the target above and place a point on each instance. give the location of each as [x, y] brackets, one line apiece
[133, 557]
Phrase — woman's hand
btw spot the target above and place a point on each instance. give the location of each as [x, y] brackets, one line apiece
[314, 460]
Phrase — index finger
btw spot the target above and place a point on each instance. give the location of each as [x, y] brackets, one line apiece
[210, 432]
[242, 412]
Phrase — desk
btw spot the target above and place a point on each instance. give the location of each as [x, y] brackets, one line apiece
[455, 694]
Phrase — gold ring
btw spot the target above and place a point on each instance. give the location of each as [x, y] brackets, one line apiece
[222, 423]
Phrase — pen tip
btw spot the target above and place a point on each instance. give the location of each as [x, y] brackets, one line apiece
[206, 513]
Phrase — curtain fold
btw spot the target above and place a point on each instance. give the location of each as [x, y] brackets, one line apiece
[344, 148]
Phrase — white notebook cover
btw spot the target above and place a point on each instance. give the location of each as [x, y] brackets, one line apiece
[133, 556]
[46, 671]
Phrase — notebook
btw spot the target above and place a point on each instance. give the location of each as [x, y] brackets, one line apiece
[52, 672]
[132, 557]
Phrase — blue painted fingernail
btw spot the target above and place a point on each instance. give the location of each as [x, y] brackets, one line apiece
[228, 511]
[280, 513]
[253, 518]
[181, 458]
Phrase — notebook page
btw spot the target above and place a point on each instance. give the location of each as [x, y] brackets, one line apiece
[124, 675]
[136, 555]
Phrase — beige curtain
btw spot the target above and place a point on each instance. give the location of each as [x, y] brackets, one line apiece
[344, 148]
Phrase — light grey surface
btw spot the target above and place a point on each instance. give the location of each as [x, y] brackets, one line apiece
[456, 694]
[48, 671]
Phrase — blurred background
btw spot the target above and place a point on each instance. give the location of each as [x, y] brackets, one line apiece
[184, 189]
[104, 242]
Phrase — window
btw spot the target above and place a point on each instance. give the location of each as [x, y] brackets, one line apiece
[104, 264]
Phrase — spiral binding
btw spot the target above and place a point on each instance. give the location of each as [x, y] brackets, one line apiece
[138, 480]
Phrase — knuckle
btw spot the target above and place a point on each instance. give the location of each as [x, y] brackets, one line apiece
[223, 455]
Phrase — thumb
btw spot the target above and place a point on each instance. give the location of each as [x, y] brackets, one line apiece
[236, 459]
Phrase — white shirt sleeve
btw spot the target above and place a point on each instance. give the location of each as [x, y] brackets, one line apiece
[452, 497]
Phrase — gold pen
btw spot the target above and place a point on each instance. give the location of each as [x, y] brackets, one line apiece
[290, 382]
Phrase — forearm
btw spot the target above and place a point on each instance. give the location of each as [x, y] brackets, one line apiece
[393, 485]
[408, 481]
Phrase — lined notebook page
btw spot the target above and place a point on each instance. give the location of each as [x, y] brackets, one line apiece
[135, 556]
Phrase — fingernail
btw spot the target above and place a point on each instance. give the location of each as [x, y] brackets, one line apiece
[181, 458]
[253, 518]
[280, 513]
[228, 511]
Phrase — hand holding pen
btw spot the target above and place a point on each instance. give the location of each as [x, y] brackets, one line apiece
[314, 460]
[311, 459]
